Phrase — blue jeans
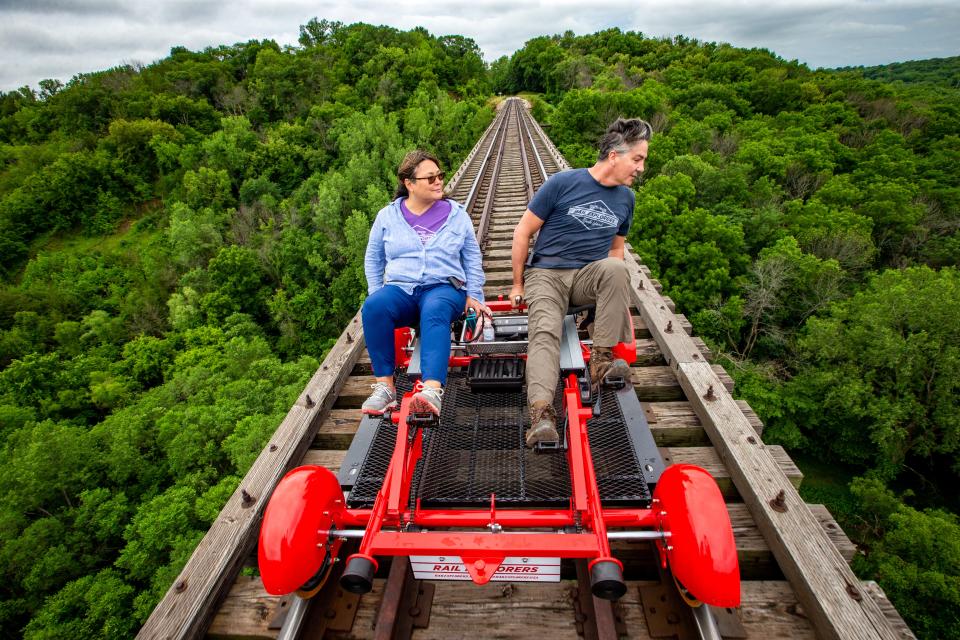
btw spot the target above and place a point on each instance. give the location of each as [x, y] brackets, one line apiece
[434, 306]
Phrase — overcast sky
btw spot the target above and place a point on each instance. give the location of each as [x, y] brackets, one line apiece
[59, 38]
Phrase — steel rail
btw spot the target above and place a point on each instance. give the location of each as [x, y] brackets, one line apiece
[472, 195]
[494, 177]
[525, 128]
[528, 179]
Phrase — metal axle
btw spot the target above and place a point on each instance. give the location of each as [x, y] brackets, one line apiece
[357, 534]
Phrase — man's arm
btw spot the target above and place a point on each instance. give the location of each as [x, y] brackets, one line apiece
[529, 224]
[616, 247]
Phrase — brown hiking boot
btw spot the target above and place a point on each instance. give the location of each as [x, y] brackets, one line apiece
[603, 365]
[543, 424]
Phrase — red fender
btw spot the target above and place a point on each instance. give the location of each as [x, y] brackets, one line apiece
[700, 550]
[308, 499]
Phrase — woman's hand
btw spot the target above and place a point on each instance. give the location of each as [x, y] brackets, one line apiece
[477, 306]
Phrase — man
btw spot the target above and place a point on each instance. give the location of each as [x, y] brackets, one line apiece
[582, 217]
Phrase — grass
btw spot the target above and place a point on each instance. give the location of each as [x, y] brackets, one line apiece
[128, 234]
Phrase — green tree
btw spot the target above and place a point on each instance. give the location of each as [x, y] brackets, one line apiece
[880, 387]
[914, 555]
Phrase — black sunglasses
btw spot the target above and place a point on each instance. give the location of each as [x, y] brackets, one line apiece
[429, 179]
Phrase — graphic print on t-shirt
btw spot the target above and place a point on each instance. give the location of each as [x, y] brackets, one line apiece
[594, 215]
[429, 222]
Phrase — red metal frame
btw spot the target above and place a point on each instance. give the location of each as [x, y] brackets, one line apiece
[403, 341]
[686, 500]
[482, 552]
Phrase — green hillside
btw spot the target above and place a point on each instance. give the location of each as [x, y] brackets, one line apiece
[181, 243]
[942, 71]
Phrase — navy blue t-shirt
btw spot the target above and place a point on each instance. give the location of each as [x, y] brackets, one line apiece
[580, 217]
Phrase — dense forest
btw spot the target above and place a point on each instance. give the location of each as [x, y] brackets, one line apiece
[945, 71]
[181, 242]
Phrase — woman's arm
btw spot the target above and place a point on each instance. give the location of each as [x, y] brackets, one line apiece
[375, 259]
[472, 262]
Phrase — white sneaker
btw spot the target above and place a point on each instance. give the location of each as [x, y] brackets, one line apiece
[382, 399]
[426, 400]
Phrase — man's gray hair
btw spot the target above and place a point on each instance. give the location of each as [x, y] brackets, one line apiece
[623, 134]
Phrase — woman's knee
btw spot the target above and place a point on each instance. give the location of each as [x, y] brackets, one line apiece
[385, 307]
[443, 308]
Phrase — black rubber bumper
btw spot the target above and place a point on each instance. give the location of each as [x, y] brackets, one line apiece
[606, 580]
[358, 574]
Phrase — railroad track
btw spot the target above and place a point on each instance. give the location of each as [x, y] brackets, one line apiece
[793, 556]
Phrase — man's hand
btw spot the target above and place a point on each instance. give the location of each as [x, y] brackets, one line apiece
[477, 306]
[529, 224]
[516, 295]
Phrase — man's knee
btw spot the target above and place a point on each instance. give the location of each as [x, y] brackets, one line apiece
[613, 273]
[614, 267]
[545, 316]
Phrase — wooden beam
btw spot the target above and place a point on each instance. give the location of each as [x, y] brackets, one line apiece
[522, 610]
[829, 591]
[769, 610]
[674, 424]
[705, 457]
[654, 384]
[189, 605]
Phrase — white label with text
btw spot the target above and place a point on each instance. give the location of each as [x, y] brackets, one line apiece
[515, 569]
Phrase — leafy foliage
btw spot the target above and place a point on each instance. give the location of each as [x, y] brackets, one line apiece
[944, 71]
[182, 243]
[915, 554]
[883, 372]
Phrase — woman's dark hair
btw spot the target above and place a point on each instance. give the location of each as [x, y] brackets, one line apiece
[622, 134]
[408, 167]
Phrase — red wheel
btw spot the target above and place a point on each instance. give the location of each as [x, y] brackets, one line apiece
[700, 550]
[291, 553]
[312, 586]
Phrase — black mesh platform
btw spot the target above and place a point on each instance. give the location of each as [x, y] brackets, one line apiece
[619, 476]
[477, 448]
[374, 468]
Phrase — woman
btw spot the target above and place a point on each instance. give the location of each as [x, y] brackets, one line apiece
[422, 265]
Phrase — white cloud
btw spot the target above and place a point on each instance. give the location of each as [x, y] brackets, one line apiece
[59, 38]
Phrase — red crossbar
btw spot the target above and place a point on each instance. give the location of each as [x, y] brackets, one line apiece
[574, 545]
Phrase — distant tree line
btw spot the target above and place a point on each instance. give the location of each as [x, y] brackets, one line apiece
[945, 71]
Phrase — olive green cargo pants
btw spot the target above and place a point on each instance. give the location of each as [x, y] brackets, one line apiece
[549, 293]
